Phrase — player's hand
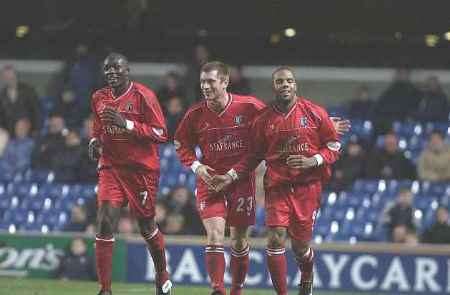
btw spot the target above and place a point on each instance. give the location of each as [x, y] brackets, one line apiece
[341, 126]
[220, 182]
[301, 162]
[110, 116]
[94, 149]
[203, 172]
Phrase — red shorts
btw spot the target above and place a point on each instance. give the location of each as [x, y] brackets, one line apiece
[295, 207]
[236, 205]
[126, 186]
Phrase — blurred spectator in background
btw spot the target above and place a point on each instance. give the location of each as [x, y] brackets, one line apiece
[175, 224]
[18, 100]
[180, 200]
[69, 107]
[126, 226]
[434, 104]
[78, 220]
[161, 212]
[434, 161]
[87, 169]
[404, 235]
[259, 228]
[397, 103]
[200, 56]
[350, 166]
[81, 73]
[171, 87]
[49, 144]
[174, 113]
[66, 160]
[389, 162]
[17, 155]
[400, 213]
[238, 83]
[361, 106]
[76, 264]
[4, 139]
[439, 232]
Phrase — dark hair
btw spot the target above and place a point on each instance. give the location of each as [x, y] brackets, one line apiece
[404, 189]
[437, 132]
[220, 67]
[117, 56]
[284, 68]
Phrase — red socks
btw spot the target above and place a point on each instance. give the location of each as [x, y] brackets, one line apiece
[215, 266]
[103, 257]
[239, 269]
[276, 262]
[305, 263]
[155, 245]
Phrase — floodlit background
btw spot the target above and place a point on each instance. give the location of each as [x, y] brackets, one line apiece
[382, 64]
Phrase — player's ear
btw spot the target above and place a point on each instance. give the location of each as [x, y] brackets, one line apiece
[226, 81]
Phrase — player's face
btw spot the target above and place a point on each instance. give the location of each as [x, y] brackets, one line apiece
[284, 85]
[116, 72]
[212, 85]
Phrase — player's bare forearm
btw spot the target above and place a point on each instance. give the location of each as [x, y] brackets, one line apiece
[301, 162]
[221, 182]
[94, 149]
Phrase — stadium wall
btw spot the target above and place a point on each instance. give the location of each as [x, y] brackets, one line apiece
[381, 268]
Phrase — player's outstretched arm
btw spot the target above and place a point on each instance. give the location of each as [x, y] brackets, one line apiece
[341, 125]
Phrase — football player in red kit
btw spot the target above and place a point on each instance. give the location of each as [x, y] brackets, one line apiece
[128, 126]
[299, 143]
[218, 125]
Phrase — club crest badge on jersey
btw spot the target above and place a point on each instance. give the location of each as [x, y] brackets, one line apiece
[239, 120]
[303, 122]
[129, 106]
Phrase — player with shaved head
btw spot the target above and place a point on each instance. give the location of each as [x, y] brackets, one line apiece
[128, 126]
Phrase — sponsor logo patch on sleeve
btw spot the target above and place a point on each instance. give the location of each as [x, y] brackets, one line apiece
[334, 146]
[158, 131]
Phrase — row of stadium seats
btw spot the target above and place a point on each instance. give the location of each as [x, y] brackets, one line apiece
[350, 215]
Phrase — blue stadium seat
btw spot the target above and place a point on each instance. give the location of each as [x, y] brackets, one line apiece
[362, 128]
[16, 216]
[65, 203]
[53, 218]
[6, 176]
[407, 129]
[423, 202]
[367, 186]
[88, 191]
[322, 229]
[35, 226]
[39, 176]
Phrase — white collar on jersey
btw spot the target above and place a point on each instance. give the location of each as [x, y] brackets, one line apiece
[125, 93]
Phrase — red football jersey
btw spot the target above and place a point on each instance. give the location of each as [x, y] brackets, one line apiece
[222, 138]
[305, 130]
[138, 147]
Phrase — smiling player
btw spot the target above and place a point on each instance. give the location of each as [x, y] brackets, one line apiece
[128, 126]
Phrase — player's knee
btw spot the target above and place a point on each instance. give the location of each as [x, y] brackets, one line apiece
[216, 236]
[147, 226]
[300, 247]
[275, 239]
[105, 226]
[239, 243]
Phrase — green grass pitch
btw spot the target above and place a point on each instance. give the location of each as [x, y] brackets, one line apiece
[24, 286]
